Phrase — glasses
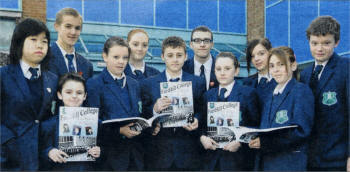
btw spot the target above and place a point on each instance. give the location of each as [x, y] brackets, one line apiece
[205, 41]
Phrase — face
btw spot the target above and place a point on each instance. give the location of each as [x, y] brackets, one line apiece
[138, 45]
[72, 94]
[116, 59]
[279, 71]
[225, 71]
[259, 57]
[201, 44]
[69, 30]
[322, 47]
[34, 49]
[174, 58]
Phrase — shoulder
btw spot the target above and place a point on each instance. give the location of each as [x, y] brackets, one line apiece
[152, 69]
[83, 59]
[95, 81]
[302, 90]
[132, 81]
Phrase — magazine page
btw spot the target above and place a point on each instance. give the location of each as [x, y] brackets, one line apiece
[78, 128]
[181, 107]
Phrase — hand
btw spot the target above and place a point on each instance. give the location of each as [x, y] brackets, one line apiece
[156, 130]
[161, 104]
[95, 151]
[126, 131]
[348, 165]
[192, 126]
[57, 155]
[255, 143]
[232, 146]
[208, 143]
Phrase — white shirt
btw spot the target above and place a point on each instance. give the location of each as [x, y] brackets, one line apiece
[25, 69]
[267, 76]
[228, 89]
[207, 69]
[64, 53]
[133, 68]
[323, 64]
[116, 77]
[279, 88]
[168, 77]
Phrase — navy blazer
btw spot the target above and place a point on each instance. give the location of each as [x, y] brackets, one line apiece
[287, 149]
[20, 121]
[149, 71]
[58, 66]
[103, 93]
[173, 146]
[189, 68]
[330, 136]
[243, 159]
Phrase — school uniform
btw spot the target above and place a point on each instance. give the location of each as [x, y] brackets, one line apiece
[146, 71]
[172, 148]
[59, 64]
[209, 68]
[25, 104]
[330, 135]
[243, 159]
[286, 149]
[116, 101]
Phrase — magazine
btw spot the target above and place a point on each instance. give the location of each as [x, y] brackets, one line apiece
[181, 108]
[77, 132]
[139, 123]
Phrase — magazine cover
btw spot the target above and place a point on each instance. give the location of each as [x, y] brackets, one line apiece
[77, 132]
[181, 106]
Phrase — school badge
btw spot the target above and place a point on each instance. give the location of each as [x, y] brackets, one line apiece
[140, 106]
[165, 85]
[211, 105]
[281, 117]
[329, 98]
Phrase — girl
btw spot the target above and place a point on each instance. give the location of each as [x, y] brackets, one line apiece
[138, 41]
[27, 91]
[291, 103]
[71, 91]
[237, 154]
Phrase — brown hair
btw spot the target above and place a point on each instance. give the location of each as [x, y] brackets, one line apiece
[67, 12]
[250, 47]
[228, 55]
[324, 25]
[286, 56]
[201, 29]
[174, 42]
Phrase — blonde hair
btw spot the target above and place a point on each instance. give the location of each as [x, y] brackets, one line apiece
[67, 12]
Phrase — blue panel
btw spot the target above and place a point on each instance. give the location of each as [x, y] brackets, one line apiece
[233, 16]
[107, 11]
[171, 13]
[138, 12]
[277, 24]
[302, 13]
[202, 13]
[269, 2]
[340, 10]
[12, 4]
[53, 6]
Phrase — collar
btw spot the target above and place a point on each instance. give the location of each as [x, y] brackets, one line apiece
[64, 53]
[169, 77]
[279, 88]
[116, 77]
[133, 68]
[323, 64]
[228, 88]
[267, 76]
[25, 69]
[207, 64]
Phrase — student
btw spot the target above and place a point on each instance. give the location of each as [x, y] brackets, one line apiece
[117, 96]
[328, 77]
[71, 91]
[257, 53]
[202, 64]
[138, 41]
[235, 155]
[291, 103]
[27, 92]
[172, 148]
[64, 58]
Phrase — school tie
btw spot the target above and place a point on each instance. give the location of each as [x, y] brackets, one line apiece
[71, 67]
[139, 74]
[262, 82]
[222, 94]
[202, 74]
[174, 80]
[120, 82]
[34, 72]
[314, 78]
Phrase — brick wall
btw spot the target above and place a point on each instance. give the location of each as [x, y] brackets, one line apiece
[34, 9]
[255, 19]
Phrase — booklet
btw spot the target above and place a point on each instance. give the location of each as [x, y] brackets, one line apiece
[77, 132]
[181, 108]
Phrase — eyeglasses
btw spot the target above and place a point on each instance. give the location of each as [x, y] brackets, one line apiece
[205, 41]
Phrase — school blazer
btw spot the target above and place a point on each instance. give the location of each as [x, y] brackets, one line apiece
[149, 71]
[287, 149]
[58, 66]
[103, 93]
[20, 122]
[189, 68]
[330, 136]
[250, 118]
[180, 146]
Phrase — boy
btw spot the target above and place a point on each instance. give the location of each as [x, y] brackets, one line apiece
[328, 78]
[202, 64]
[172, 148]
[64, 58]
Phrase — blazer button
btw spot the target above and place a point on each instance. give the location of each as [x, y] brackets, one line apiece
[37, 121]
